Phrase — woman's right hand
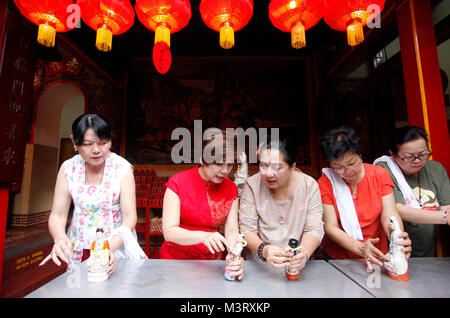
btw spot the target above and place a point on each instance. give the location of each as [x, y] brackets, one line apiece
[276, 257]
[62, 249]
[215, 242]
[371, 254]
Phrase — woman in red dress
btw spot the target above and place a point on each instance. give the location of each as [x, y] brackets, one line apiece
[197, 201]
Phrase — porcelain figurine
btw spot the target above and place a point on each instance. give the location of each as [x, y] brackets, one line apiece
[397, 267]
[98, 260]
[236, 251]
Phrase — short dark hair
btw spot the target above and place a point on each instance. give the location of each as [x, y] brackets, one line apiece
[338, 141]
[94, 121]
[287, 148]
[405, 134]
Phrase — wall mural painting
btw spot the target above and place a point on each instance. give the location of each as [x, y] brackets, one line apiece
[223, 93]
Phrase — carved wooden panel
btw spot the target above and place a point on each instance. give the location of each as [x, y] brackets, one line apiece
[16, 93]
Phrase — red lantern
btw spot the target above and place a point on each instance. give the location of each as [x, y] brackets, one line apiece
[162, 58]
[296, 16]
[164, 17]
[226, 17]
[51, 17]
[108, 18]
[351, 16]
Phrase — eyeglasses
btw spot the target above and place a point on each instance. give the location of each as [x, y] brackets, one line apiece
[351, 166]
[412, 157]
[265, 168]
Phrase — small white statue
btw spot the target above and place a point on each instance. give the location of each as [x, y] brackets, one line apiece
[236, 251]
[241, 174]
[397, 267]
[98, 261]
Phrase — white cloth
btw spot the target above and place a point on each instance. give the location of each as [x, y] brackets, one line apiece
[345, 205]
[407, 192]
[130, 248]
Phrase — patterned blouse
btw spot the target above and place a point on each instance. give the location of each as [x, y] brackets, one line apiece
[277, 221]
[95, 206]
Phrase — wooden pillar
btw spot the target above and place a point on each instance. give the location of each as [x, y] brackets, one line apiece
[4, 189]
[423, 85]
[18, 62]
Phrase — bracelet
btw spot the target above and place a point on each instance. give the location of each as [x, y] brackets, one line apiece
[445, 217]
[260, 250]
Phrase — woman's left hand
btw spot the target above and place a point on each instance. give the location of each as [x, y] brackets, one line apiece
[406, 243]
[298, 261]
[112, 263]
[234, 268]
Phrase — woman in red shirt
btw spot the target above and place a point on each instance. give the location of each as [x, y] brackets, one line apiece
[197, 201]
[356, 220]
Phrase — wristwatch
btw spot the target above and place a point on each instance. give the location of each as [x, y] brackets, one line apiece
[445, 217]
[260, 250]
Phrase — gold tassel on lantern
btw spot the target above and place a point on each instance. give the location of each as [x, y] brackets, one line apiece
[355, 33]
[298, 39]
[104, 39]
[46, 35]
[226, 40]
[162, 34]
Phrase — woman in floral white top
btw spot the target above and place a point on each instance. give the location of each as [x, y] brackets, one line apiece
[102, 187]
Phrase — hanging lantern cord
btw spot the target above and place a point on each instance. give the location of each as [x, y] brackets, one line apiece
[104, 39]
[298, 37]
[355, 33]
[162, 34]
[226, 35]
[46, 35]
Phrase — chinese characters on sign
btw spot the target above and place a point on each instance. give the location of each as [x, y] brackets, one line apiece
[16, 94]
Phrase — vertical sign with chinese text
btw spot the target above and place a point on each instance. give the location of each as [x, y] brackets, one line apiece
[16, 93]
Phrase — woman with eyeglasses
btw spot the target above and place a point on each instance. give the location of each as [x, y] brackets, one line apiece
[421, 187]
[278, 204]
[357, 202]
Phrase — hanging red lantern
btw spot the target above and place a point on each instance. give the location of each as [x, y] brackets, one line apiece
[351, 16]
[296, 16]
[51, 17]
[226, 17]
[162, 58]
[164, 17]
[108, 18]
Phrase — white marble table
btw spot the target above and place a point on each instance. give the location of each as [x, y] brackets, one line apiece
[429, 278]
[155, 278]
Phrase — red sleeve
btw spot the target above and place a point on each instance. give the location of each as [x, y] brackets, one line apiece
[174, 183]
[326, 190]
[386, 183]
[234, 190]
[231, 192]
